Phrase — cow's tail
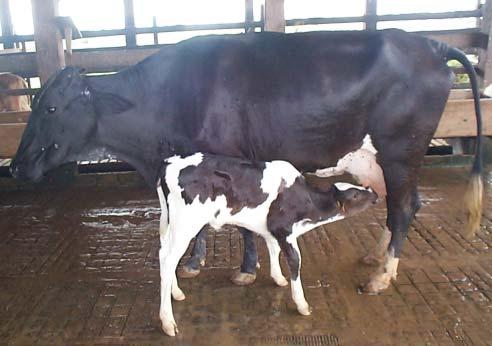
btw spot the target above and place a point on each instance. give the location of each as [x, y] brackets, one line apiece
[474, 192]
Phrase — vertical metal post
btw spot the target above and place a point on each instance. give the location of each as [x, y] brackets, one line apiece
[485, 55]
[371, 15]
[7, 28]
[249, 18]
[156, 34]
[131, 36]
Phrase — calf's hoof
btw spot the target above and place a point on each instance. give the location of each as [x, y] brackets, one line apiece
[186, 272]
[371, 260]
[179, 296]
[377, 284]
[281, 281]
[304, 310]
[170, 328]
[243, 279]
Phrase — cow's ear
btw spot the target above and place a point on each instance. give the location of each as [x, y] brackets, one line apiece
[107, 103]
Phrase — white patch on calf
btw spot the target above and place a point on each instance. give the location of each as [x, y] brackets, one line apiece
[362, 165]
[273, 174]
[345, 186]
[305, 225]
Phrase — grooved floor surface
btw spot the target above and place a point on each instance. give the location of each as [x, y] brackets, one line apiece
[80, 266]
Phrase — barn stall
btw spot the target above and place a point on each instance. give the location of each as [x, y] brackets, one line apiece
[80, 249]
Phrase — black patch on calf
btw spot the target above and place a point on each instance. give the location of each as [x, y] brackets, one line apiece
[297, 202]
[238, 180]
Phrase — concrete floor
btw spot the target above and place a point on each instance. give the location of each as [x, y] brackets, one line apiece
[80, 266]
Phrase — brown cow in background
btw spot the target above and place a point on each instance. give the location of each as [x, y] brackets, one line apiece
[13, 103]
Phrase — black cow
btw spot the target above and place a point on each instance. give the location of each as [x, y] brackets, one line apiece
[320, 100]
[271, 199]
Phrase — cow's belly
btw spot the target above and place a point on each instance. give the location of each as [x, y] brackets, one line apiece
[362, 165]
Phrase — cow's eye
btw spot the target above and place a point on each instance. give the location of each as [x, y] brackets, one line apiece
[50, 109]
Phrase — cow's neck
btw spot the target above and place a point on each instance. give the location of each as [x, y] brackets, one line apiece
[129, 136]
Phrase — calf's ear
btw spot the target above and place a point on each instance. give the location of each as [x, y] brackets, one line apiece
[107, 103]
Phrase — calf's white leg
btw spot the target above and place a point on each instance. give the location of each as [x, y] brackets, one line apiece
[177, 293]
[296, 284]
[274, 252]
[293, 255]
[176, 241]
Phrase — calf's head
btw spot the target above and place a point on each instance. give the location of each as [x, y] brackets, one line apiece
[352, 199]
[62, 123]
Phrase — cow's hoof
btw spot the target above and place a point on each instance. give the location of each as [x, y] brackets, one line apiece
[280, 281]
[243, 279]
[186, 272]
[170, 328]
[371, 260]
[304, 310]
[376, 285]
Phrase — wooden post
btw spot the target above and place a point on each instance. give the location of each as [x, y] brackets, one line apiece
[371, 13]
[49, 47]
[485, 55]
[50, 58]
[249, 18]
[7, 29]
[131, 37]
[274, 15]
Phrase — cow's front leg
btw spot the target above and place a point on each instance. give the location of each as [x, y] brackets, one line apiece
[378, 255]
[247, 273]
[198, 254]
[402, 204]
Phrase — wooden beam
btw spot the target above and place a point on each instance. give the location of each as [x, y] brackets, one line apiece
[11, 135]
[110, 60]
[371, 15]
[14, 117]
[22, 64]
[5, 19]
[467, 38]
[274, 15]
[459, 120]
[131, 38]
[49, 49]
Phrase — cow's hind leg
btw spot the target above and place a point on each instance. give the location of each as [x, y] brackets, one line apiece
[402, 204]
[247, 273]
[198, 255]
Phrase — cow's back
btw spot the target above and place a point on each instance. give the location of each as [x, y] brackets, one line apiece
[276, 96]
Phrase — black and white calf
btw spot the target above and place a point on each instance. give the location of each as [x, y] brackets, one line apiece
[271, 199]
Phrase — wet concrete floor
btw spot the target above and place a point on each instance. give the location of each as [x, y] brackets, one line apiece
[80, 266]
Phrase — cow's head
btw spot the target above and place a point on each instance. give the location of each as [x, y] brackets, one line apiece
[62, 123]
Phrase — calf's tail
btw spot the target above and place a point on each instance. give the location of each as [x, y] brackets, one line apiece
[474, 192]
